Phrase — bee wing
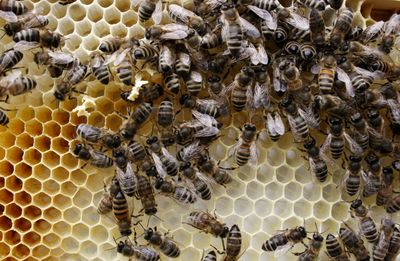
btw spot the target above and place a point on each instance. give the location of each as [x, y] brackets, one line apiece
[8, 16]
[207, 131]
[182, 14]
[135, 3]
[24, 45]
[342, 75]
[225, 31]
[371, 31]
[184, 58]
[279, 126]
[191, 151]
[35, 21]
[395, 109]
[95, 62]
[168, 155]
[177, 35]
[315, 68]
[364, 176]
[298, 21]
[252, 52]
[207, 179]
[250, 102]
[393, 25]
[120, 57]
[157, 14]
[353, 146]
[261, 99]
[279, 86]
[328, 160]
[292, 124]
[253, 154]
[282, 250]
[249, 28]
[375, 75]
[232, 151]
[205, 119]
[325, 145]
[265, 15]
[262, 54]
[308, 115]
[61, 58]
[10, 78]
[196, 76]
[159, 165]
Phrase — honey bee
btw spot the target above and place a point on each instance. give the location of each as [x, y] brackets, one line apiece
[136, 152]
[233, 244]
[274, 125]
[166, 59]
[135, 120]
[317, 28]
[353, 243]
[56, 62]
[333, 106]
[393, 205]
[360, 133]
[336, 139]
[95, 158]
[282, 242]
[394, 245]
[204, 106]
[14, 84]
[243, 81]
[16, 7]
[386, 190]
[179, 193]
[146, 194]
[245, 149]
[352, 178]
[207, 223]
[194, 83]
[4, 120]
[291, 75]
[127, 180]
[149, 9]
[33, 37]
[145, 51]
[149, 168]
[148, 94]
[100, 69]
[213, 39]
[171, 31]
[335, 4]
[105, 203]
[381, 248]
[28, 20]
[312, 251]
[316, 160]
[341, 28]
[167, 246]
[182, 64]
[125, 71]
[334, 249]
[171, 81]
[372, 32]
[165, 113]
[9, 59]
[372, 176]
[211, 256]
[199, 184]
[187, 17]
[111, 45]
[327, 74]
[314, 4]
[95, 135]
[268, 5]
[121, 212]
[143, 253]
[67, 85]
[165, 163]
[296, 121]
[366, 224]
[391, 29]
[120, 157]
[210, 168]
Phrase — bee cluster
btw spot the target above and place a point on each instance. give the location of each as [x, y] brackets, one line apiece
[307, 68]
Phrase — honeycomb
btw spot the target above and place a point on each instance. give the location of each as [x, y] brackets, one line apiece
[48, 203]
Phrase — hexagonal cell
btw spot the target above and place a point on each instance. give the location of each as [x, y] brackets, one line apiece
[243, 206]
[5, 223]
[293, 191]
[245, 173]
[41, 172]
[321, 210]
[113, 122]
[13, 183]
[42, 200]
[52, 129]
[41, 226]
[68, 188]
[303, 175]
[16, 126]
[96, 90]
[265, 173]
[32, 212]
[40, 252]
[12, 237]
[51, 187]
[61, 117]
[23, 198]
[99, 234]
[78, 177]
[43, 114]
[235, 189]
[22, 224]
[24, 141]
[6, 196]
[283, 208]
[252, 224]
[77, 12]
[62, 202]
[23, 170]
[72, 215]
[51, 159]
[15, 154]
[340, 211]
[66, 26]
[312, 191]
[273, 190]
[70, 245]
[271, 224]
[13, 210]
[7, 139]
[42, 143]
[20, 251]
[201, 241]
[52, 214]
[284, 174]
[90, 216]
[82, 198]
[62, 229]
[104, 105]
[32, 156]
[254, 190]
[34, 127]
[330, 193]
[4, 249]
[263, 207]
[31, 239]
[96, 119]
[275, 157]
[6, 168]
[80, 231]
[51, 240]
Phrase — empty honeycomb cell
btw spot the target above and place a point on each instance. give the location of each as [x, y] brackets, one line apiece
[13, 183]
[5, 223]
[104, 106]
[69, 161]
[271, 224]
[293, 191]
[62, 229]
[6, 168]
[96, 90]
[42, 226]
[22, 224]
[42, 200]
[12, 237]
[284, 174]
[59, 145]
[101, 29]
[70, 244]
[312, 191]
[7, 139]
[52, 129]
[265, 173]
[61, 117]
[254, 190]
[26, 113]
[96, 119]
[16, 126]
[68, 131]
[82, 198]
[252, 224]
[22, 198]
[275, 157]
[122, 5]
[340, 211]
[41, 172]
[201, 240]
[51, 187]
[273, 190]
[51, 159]
[119, 30]
[95, 14]
[90, 43]
[80, 231]
[72, 215]
[99, 234]
[136, 31]
[90, 216]
[32, 212]
[293, 158]
[283, 208]
[32, 185]
[34, 127]
[31, 238]
[302, 175]
[76, 12]
[21, 251]
[235, 189]
[330, 225]
[321, 210]
[4, 249]
[2, 153]
[69, 104]
[263, 207]
[113, 122]
[83, 28]
[243, 206]
[51, 240]
[330, 193]
[66, 27]
[73, 43]
[62, 202]
[172, 221]
[24, 141]
[120, 107]
[68, 188]
[40, 251]
[14, 155]
[245, 173]
[52, 214]
[78, 177]
[129, 18]
[42, 143]
[6, 196]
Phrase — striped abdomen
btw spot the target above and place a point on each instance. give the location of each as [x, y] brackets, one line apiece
[368, 228]
[120, 206]
[146, 10]
[325, 80]
[235, 38]
[336, 147]
[170, 249]
[29, 35]
[274, 242]
[239, 98]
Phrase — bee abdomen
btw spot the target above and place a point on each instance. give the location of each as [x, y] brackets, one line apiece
[321, 171]
[353, 184]
[172, 83]
[120, 206]
[202, 189]
[3, 118]
[336, 146]
[274, 242]
[102, 74]
[146, 10]
[239, 99]
[29, 35]
[170, 249]
[325, 80]
[243, 154]
[184, 195]
[394, 205]
[368, 229]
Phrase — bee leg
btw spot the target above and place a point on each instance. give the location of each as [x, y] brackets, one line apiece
[218, 251]
[297, 253]
[84, 165]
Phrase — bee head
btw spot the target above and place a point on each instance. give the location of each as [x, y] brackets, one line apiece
[318, 237]
[356, 118]
[302, 231]
[120, 246]
[310, 143]
[225, 232]
[330, 236]
[78, 148]
[184, 165]
[356, 204]
[59, 95]
[387, 170]
[214, 78]
[249, 127]
[159, 182]
[150, 211]
[151, 140]
[354, 158]
[148, 233]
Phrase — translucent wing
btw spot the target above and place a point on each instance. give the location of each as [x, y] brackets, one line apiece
[308, 115]
[158, 12]
[96, 62]
[298, 21]
[182, 15]
[265, 15]
[177, 35]
[279, 126]
[282, 250]
[61, 58]
[375, 75]
[205, 119]
[10, 78]
[225, 31]
[342, 75]
[395, 109]
[207, 132]
[372, 31]
[253, 154]
[293, 128]
[261, 99]
[120, 58]
[8, 16]
[174, 27]
[24, 45]
[252, 51]
[262, 55]
[232, 151]
[196, 76]
[353, 146]
[393, 25]
[184, 58]
[249, 28]
[159, 165]
[135, 3]
[325, 146]
[191, 151]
